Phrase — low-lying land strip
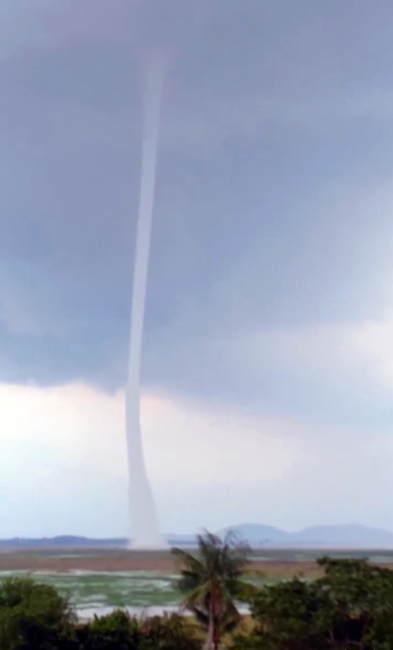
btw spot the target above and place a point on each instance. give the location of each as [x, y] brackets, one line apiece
[272, 563]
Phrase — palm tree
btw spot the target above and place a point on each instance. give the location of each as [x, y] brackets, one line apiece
[212, 581]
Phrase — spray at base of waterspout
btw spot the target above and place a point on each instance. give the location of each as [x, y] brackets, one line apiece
[148, 545]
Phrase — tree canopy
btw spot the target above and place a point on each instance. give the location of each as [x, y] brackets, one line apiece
[34, 616]
[351, 606]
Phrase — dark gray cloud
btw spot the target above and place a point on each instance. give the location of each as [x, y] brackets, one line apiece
[272, 206]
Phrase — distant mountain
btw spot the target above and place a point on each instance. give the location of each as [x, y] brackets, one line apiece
[349, 535]
[352, 535]
[259, 534]
[181, 540]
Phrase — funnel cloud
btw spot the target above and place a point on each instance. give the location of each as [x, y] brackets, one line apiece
[143, 513]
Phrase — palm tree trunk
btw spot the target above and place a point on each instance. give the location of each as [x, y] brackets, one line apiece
[216, 639]
[213, 638]
[209, 645]
[218, 612]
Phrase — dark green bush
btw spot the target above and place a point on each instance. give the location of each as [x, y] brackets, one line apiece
[169, 633]
[117, 631]
[34, 617]
[350, 607]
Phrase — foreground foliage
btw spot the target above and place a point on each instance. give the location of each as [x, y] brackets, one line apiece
[350, 607]
[119, 631]
[34, 617]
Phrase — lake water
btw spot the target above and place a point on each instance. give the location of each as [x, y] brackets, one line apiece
[140, 593]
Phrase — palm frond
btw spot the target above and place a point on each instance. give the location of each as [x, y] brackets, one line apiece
[186, 558]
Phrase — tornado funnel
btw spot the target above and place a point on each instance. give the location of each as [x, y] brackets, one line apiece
[143, 515]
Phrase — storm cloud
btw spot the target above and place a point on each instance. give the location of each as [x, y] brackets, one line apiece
[272, 239]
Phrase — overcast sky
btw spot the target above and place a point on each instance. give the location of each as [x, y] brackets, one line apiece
[268, 351]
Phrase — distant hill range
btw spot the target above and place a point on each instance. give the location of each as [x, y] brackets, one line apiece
[347, 536]
[257, 535]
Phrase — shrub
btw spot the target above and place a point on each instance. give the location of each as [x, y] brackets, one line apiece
[169, 633]
[351, 606]
[34, 617]
[117, 631]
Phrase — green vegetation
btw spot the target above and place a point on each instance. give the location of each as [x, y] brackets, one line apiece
[118, 631]
[33, 616]
[348, 607]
